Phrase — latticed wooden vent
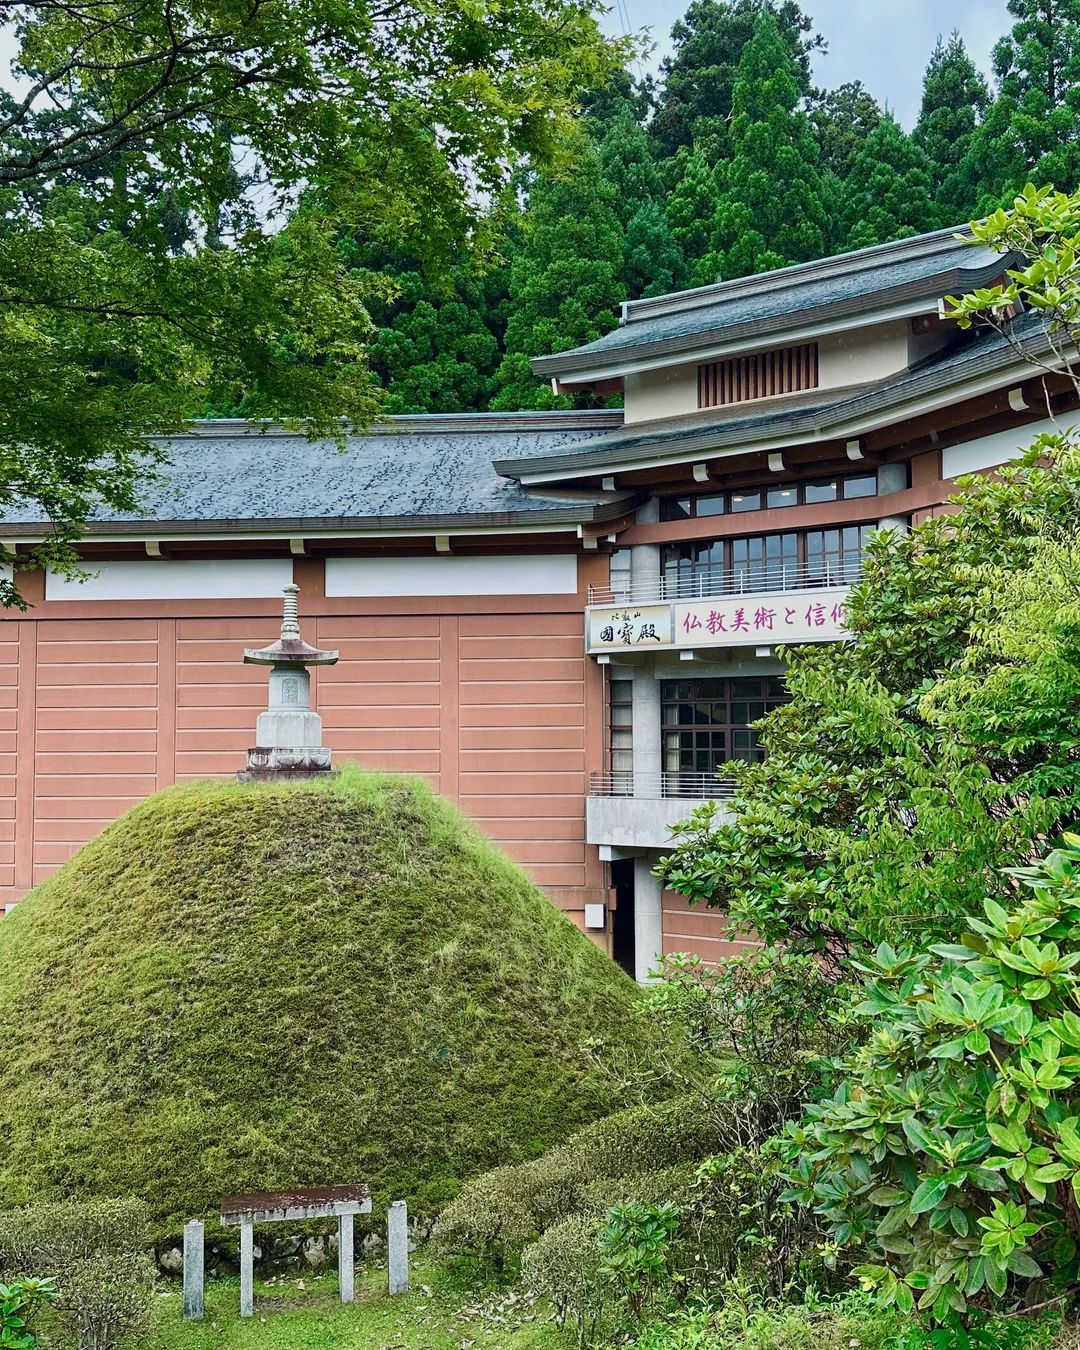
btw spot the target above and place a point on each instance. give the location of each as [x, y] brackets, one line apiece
[759, 376]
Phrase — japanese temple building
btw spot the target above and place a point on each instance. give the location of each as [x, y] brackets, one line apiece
[567, 621]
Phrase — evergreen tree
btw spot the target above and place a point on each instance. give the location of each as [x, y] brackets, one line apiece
[842, 120]
[771, 209]
[653, 261]
[565, 278]
[1032, 130]
[653, 258]
[698, 79]
[889, 193]
[437, 349]
[626, 162]
[955, 100]
[691, 206]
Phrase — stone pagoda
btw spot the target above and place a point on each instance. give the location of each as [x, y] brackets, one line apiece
[288, 736]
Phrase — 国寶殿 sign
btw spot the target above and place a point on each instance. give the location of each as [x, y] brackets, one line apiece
[760, 618]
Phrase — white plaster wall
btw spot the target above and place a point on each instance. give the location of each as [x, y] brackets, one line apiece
[653, 394]
[514, 574]
[862, 354]
[989, 451]
[177, 579]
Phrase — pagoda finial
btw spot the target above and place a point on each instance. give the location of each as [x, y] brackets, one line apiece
[290, 624]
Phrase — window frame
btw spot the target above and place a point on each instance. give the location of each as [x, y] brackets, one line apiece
[762, 491]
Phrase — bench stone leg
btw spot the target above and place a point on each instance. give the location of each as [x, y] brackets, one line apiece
[345, 1260]
[397, 1244]
[247, 1269]
[193, 1270]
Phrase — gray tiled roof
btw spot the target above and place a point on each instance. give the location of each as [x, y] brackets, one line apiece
[413, 470]
[754, 307]
[817, 413]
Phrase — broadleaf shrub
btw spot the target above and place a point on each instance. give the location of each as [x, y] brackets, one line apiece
[97, 1252]
[18, 1302]
[950, 1152]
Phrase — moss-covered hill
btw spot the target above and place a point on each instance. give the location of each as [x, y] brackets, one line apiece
[242, 988]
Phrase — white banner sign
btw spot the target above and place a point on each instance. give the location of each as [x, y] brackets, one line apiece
[762, 618]
[629, 626]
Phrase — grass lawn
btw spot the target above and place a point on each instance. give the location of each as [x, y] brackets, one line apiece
[436, 1315]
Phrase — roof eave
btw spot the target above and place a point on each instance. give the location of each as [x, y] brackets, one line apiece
[585, 366]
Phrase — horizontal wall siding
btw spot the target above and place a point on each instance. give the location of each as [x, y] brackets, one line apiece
[98, 712]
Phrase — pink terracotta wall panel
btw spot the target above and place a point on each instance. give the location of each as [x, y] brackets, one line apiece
[96, 712]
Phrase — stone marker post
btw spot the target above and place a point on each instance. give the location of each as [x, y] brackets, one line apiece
[345, 1260]
[397, 1247]
[193, 1270]
[247, 1269]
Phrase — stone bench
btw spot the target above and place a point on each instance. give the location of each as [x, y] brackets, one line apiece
[245, 1211]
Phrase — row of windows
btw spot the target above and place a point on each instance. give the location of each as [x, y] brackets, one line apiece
[704, 723]
[807, 557]
[782, 494]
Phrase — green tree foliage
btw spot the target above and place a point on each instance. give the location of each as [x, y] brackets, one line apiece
[842, 120]
[436, 343]
[1043, 229]
[565, 278]
[954, 102]
[889, 191]
[1032, 130]
[872, 819]
[691, 206]
[771, 210]
[107, 334]
[698, 79]
[652, 258]
[950, 1152]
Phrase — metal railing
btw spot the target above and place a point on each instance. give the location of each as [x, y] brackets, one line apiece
[699, 786]
[707, 582]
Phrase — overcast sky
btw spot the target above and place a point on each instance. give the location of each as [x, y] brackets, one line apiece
[884, 43]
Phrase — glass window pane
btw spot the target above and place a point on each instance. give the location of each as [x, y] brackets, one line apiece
[685, 739]
[719, 740]
[674, 508]
[622, 761]
[821, 492]
[788, 495]
[702, 761]
[738, 715]
[863, 485]
[719, 713]
[622, 716]
[622, 691]
[755, 712]
[668, 689]
[709, 689]
[775, 688]
[744, 500]
[746, 688]
[686, 759]
[710, 506]
[622, 740]
[686, 714]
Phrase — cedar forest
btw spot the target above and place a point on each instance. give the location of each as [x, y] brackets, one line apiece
[729, 161]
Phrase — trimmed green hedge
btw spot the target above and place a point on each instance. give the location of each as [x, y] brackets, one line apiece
[241, 987]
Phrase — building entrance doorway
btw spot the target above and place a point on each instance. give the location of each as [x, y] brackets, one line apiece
[622, 918]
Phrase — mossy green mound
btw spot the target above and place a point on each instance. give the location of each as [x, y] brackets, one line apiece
[243, 988]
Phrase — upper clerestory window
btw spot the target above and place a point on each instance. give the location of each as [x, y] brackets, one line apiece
[762, 375]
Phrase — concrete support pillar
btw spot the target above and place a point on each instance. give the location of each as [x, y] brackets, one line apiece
[193, 1270]
[345, 1259]
[247, 1269]
[648, 919]
[648, 745]
[891, 478]
[397, 1247]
